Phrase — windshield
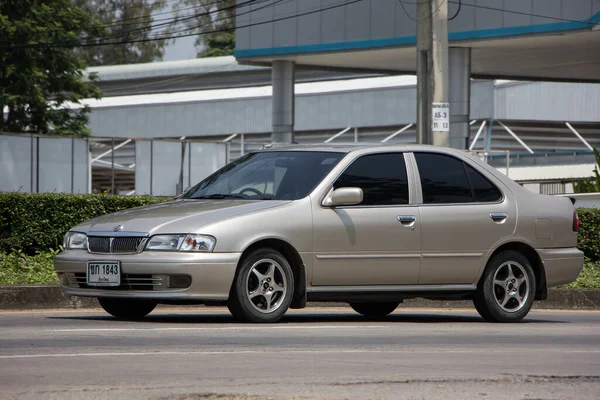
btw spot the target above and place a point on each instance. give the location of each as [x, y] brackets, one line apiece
[273, 175]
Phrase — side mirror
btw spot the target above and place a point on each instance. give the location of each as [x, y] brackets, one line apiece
[345, 196]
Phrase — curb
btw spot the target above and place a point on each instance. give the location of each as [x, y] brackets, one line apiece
[51, 297]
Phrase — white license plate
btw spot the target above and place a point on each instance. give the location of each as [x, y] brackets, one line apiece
[106, 273]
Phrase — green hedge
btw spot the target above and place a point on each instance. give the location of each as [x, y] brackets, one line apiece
[589, 232]
[38, 222]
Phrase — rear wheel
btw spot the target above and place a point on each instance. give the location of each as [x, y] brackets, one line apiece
[131, 309]
[377, 309]
[506, 290]
[263, 287]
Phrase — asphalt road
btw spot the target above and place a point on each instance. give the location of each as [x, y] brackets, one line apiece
[314, 353]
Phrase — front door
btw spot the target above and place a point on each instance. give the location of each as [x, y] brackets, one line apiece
[377, 242]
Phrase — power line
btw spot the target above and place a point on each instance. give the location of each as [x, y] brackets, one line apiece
[212, 22]
[402, 4]
[120, 21]
[173, 20]
[457, 11]
[522, 13]
[115, 9]
[461, 4]
[176, 20]
[70, 45]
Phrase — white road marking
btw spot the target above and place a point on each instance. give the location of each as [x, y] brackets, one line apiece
[232, 328]
[279, 352]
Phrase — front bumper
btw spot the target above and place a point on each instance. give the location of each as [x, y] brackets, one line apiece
[212, 274]
[562, 265]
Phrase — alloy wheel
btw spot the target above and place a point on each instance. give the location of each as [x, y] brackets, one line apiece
[511, 286]
[266, 286]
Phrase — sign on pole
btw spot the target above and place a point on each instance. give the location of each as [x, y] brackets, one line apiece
[440, 118]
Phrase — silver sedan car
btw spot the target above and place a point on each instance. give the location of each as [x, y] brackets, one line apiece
[367, 225]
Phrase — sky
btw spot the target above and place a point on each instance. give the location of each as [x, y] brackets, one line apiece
[182, 49]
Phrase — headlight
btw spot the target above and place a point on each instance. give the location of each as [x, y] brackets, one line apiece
[164, 242]
[75, 241]
[203, 243]
[198, 243]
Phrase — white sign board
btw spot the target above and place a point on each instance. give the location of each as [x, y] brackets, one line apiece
[440, 118]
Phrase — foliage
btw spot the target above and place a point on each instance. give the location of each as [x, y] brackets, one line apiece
[591, 185]
[39, 83]
[125, 21]
[17, 268]
[213, 21]
[589, 278]
[589, 232]
[38, 222]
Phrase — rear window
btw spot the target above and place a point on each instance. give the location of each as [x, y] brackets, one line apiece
[448, 180]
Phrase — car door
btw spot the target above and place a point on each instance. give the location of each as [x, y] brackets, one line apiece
[463, 214]
[377, 242]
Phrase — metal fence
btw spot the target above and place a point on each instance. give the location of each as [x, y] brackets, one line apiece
[35, 164]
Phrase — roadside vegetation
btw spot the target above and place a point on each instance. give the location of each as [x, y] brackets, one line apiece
[32, 227]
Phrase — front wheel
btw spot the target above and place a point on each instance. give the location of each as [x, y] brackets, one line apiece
[131, 309]
[263, 287]
[374, 310]
[506, 290]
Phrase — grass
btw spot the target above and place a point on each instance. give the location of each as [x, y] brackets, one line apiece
[17, 268]
[589, 278]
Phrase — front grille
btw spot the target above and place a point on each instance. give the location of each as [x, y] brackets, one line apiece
[128, 282]
[126, 244]
[116, 245]
[99, 244]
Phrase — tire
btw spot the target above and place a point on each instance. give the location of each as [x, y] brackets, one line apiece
[374, 310]
[129, 309]
[263, 287]
[506, 290]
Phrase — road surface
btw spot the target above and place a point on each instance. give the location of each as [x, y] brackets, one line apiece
[317, 353]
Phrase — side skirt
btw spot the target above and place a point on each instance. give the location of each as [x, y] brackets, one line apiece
[389, 292]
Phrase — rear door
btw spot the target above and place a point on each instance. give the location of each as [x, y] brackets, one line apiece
[463, 214]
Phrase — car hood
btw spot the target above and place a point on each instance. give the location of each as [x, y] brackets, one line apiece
[177, 216]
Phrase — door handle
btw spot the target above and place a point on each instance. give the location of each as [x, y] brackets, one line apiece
[498, 217]
[407, 220]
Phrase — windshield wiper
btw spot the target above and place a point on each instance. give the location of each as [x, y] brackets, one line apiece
[220, 196]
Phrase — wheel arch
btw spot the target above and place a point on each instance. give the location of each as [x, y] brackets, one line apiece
[541, 292]
[292, 256]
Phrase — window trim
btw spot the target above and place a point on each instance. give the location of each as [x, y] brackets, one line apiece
[468, 162]
[407, 165]
[502, 196]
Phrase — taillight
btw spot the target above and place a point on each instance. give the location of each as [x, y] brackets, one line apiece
[575, 221]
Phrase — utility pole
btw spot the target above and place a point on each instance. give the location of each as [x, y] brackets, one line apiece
[433, 111]
[423, 71]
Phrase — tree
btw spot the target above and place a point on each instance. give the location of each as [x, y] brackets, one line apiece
[126, 20]
[591, 185]
[39, 83]
[213, 21]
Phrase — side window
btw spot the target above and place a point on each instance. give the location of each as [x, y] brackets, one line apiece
[382, 177]
[443, 179]
[483, 189]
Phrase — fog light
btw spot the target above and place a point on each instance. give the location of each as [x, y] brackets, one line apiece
[179, 281]
[62, 278]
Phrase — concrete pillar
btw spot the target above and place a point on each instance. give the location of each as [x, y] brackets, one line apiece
[283, 78]
[459, 69]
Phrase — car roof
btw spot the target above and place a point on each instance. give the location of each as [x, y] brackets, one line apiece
[352, 146]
